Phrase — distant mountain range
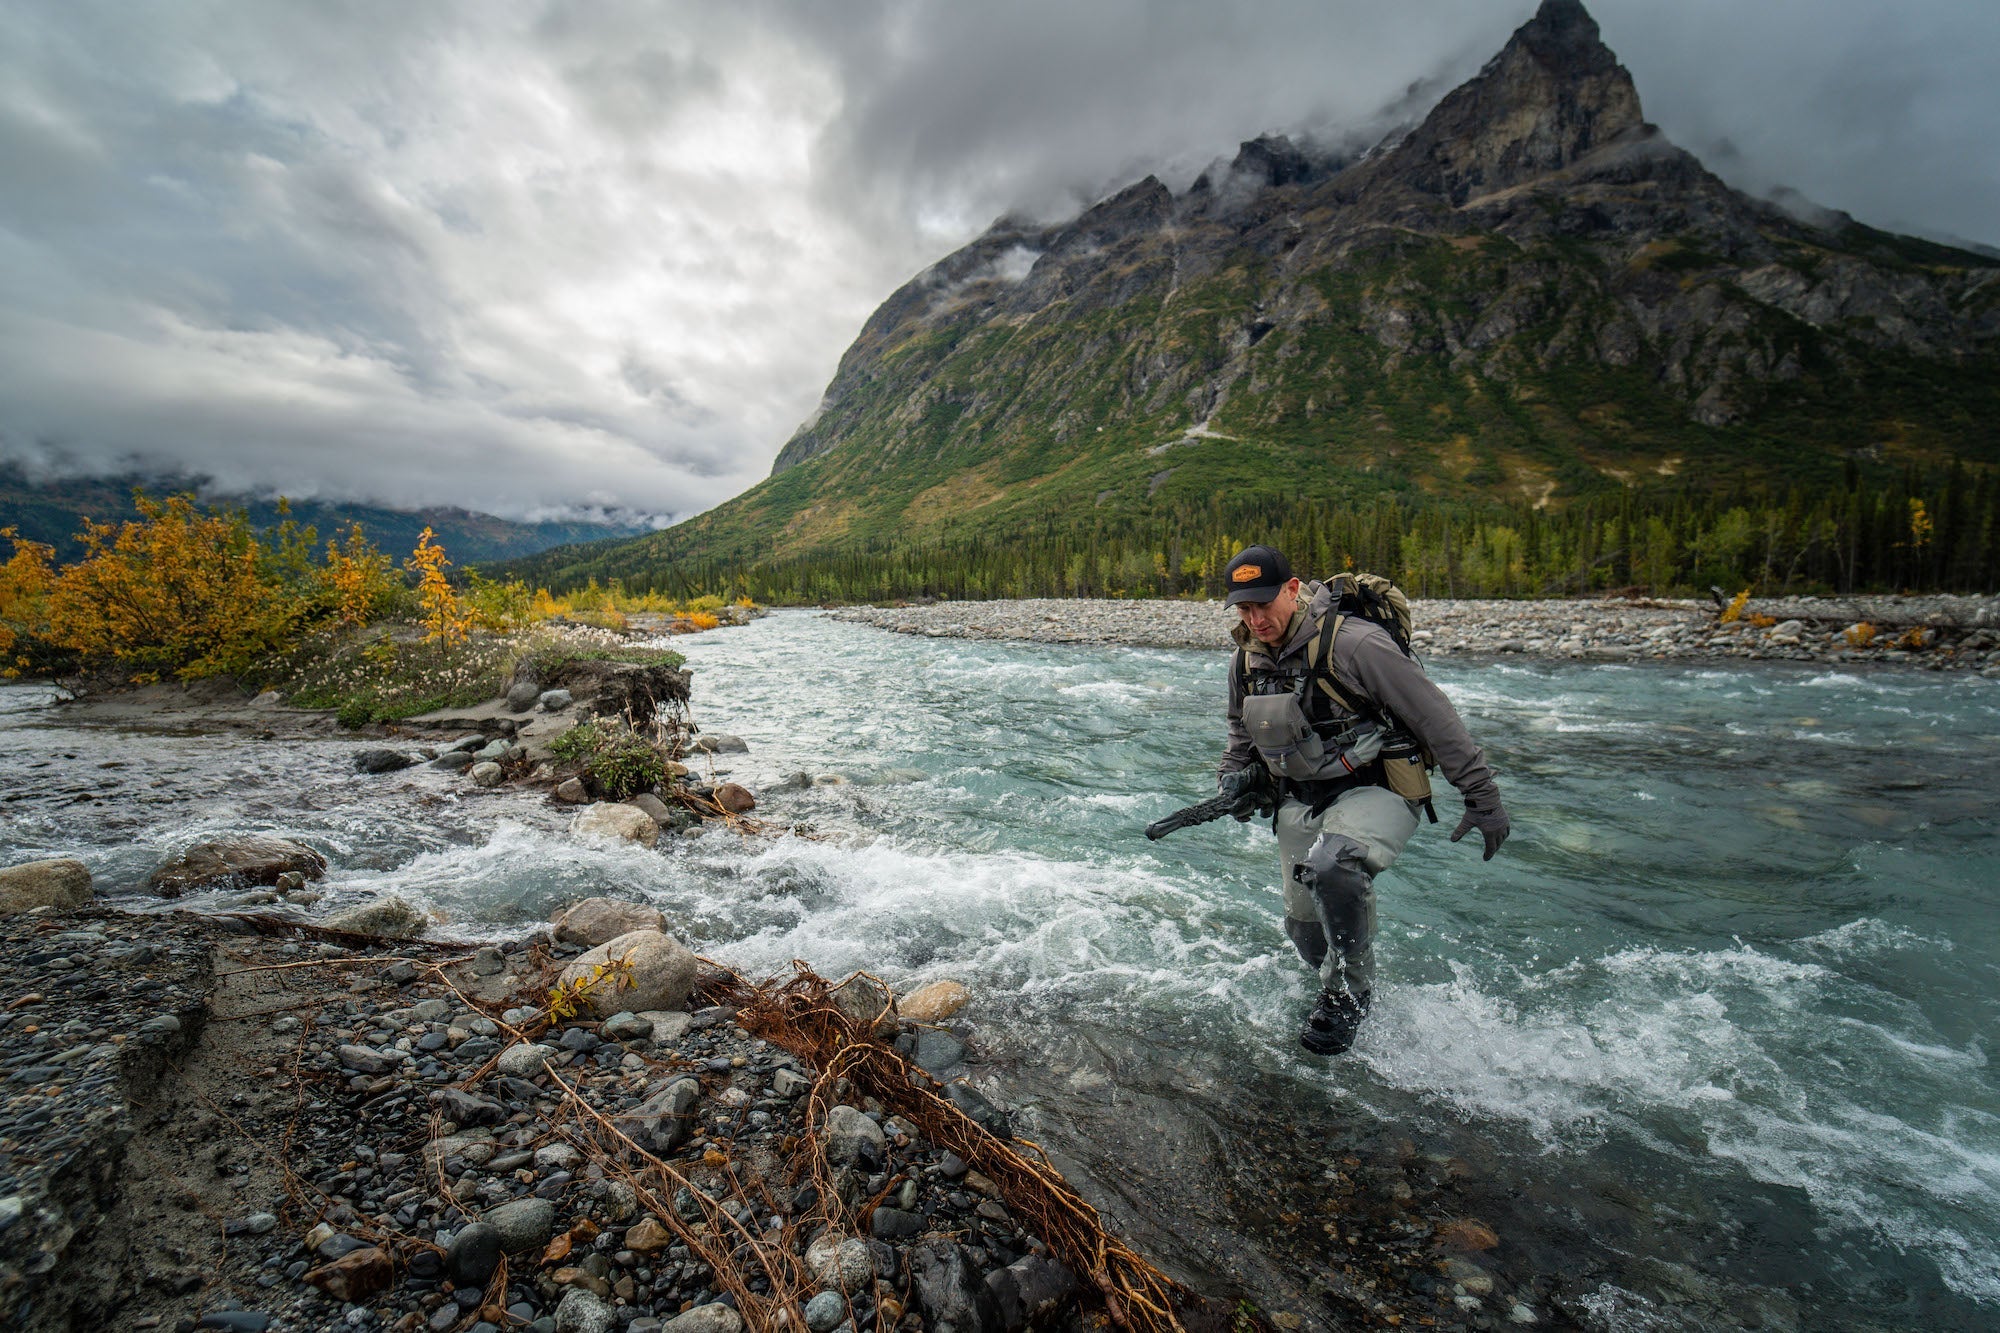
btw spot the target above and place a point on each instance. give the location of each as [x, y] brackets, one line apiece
[52, 511]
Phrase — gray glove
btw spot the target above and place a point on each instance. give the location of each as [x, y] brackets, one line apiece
[1490, 818]
[1256, 795]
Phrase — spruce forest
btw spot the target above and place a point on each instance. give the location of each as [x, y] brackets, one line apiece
[1908, 532]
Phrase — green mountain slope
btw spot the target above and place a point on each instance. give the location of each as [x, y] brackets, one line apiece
[1530, 298]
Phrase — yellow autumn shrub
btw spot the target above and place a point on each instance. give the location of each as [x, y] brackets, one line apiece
[25, 581]
[180, 592]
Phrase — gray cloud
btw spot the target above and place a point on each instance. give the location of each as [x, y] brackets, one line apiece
[570, 254]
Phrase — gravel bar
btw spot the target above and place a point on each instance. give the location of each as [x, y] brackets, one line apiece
[1936, 633]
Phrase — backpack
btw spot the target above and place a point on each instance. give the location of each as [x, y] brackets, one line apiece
[1375, 599]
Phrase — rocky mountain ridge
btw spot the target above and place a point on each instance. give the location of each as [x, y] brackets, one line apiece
[1530, 295]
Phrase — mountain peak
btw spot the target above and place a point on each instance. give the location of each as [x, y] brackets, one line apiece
[1553, 94]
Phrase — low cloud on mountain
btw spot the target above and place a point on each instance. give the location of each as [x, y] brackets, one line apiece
[543, 255]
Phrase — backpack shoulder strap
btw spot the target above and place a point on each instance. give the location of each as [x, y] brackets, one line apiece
[1322, 661]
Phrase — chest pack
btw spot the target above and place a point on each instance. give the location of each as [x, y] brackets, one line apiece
[1299, 720]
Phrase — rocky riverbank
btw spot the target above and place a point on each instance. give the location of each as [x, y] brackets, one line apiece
[1936, 633]
[226, 1122]
[208, 1128]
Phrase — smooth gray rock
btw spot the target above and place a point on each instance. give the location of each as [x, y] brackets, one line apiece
[362, 1060]
[486, 773]
[867, 1004]
[654, 807]
[894, 1224]
[554, 701]
[825, 1311]
[473, 1255]
[571, 791]
[626, 1026]
[597, 921]
[982, 1112]
[938, 1051]
[521, 696]
[852, 1139]
[720, 743]
[1029, 1290]
[657, 971]
[452, 761]
[382, 761]
[524, 1061]
[524, 1224]
[495, 752]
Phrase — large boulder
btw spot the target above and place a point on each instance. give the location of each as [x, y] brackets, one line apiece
[643, 969]
[389, 917]
[56, 883]
[615, 819]
[734, 798]
[236, 863]
[595, 921]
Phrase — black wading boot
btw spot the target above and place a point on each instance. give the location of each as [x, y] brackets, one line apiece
[1331, 1026]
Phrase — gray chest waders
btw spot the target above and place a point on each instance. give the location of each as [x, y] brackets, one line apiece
[1304, 753]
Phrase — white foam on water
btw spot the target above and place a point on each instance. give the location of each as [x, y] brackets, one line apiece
[1643, 1040]
[1870, 935]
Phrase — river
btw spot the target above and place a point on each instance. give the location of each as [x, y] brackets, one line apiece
[1707, 1039]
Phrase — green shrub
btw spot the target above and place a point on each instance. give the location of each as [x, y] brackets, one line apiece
[620, 764]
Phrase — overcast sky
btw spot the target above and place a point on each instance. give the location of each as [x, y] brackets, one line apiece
[533, 257]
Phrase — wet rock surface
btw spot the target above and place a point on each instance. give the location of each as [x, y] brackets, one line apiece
[234, 863]
[1936, 633]
[283, 1132]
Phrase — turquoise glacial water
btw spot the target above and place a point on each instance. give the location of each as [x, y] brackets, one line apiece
[1719, 1013]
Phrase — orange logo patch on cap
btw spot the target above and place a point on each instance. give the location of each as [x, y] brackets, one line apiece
[1244, 573]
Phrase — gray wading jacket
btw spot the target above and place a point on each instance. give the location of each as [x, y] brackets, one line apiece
[1368, 668]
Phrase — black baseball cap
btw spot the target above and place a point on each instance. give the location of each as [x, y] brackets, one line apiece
[1257, 574]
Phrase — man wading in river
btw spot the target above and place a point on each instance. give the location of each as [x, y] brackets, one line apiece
[1336, 718]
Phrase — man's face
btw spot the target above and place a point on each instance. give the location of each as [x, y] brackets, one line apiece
[1267, 620]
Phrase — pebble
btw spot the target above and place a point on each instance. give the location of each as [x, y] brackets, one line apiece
[825, 1311]
[584, 1312]
[524, 1060]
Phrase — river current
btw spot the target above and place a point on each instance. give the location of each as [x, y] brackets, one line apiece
[1713, 1028]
